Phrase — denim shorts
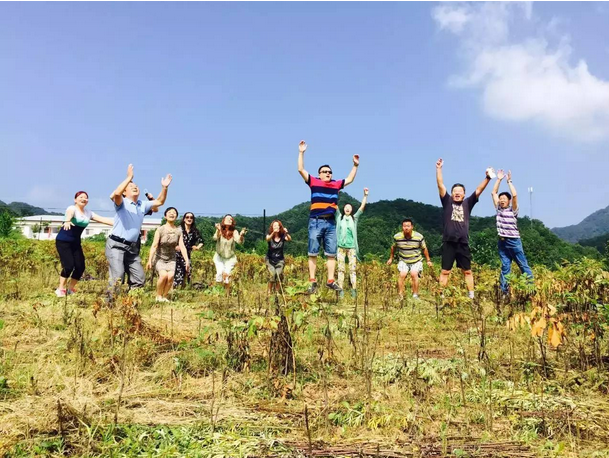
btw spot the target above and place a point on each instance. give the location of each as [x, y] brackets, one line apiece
[322, 230]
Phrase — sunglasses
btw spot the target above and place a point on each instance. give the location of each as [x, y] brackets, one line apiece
[326, 171]
[188, 217]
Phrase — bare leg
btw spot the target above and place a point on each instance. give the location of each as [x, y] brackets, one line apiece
[469, 280]
[415, 282]
[444, 278]
[62, 282]
[331, 268]
[168, 283]
[160, 284]
[73, 283]
[401, 283]
[312, 266]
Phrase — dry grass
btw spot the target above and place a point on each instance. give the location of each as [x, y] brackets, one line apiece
[382, 377]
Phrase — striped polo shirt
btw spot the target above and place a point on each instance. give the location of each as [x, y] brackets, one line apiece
[324, 196]
[507, 225]
[410, 250]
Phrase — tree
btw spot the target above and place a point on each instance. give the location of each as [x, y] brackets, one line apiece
[7, 223]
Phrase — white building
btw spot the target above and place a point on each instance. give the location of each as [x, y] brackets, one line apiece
[46, 227]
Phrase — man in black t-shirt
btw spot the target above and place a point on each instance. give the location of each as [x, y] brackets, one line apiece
[455, 236]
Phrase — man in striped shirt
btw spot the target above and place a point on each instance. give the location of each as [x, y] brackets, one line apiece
[410, 245]
[510, 245]
[322, 221]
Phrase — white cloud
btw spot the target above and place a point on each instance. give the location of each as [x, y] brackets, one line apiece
[526, 80]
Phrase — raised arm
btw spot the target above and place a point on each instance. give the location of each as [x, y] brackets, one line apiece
[288, 237]
[160, 200]
[155, 244]
[482, 186]
[364, 201]
[353, 171]
[67, 220]
[513, 191]
[440, 178]
[102, 219]
[302, 147]
[241, 235]
[217, 233]
[495, 192]
[117, 194]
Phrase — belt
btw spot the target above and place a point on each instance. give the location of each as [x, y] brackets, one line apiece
[326, 217]
[116, 238]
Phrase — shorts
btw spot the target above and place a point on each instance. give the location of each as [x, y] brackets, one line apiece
[414, 267]
[322, 230]
[275, 270]
[224, 266]
[456, 251]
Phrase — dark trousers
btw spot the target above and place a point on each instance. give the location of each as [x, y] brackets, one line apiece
[72, 259]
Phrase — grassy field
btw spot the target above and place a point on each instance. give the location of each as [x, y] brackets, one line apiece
[297, 376]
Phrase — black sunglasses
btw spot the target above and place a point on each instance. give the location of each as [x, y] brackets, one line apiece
[326, 171]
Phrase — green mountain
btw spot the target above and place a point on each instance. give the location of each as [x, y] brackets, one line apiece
[592, 226]
[22, 209]
[381, 220]
[600, 242]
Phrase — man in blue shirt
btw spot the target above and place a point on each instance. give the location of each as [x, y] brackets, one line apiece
[122, 247]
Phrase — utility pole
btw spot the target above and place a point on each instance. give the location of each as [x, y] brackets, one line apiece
[264, 224]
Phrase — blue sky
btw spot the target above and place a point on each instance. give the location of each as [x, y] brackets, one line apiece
[220, 94]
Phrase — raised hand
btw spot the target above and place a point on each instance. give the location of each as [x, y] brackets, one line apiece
[356, 159]
[500, 174]
[509, 175]
[366, 192]
[130, 172]
[243, 231]
[218, 227]
[302, 146]
[67, 225]
[166, 181]
[439, 163]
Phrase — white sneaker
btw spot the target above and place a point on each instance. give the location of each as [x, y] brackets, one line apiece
[60, 292]
[415, 296]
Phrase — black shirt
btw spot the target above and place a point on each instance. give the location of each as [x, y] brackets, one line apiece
[275, 252]
[456, 218]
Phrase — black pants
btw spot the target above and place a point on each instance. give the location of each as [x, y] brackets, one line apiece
[72, 259]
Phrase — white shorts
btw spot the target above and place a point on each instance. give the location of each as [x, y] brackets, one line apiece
[224, 266]
[415, 267]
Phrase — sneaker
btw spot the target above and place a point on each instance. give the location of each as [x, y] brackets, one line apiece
[60, 292]
[71, 291]
[415, 296]
[334, 286]
[353, 293]
[312, 289]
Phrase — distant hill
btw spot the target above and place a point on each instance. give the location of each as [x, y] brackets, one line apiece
[599, 242]
[381, 220]
[23, 209]
[591, 226]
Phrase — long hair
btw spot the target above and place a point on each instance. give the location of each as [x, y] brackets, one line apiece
[281, 229]
[226, 230]
[193, 226]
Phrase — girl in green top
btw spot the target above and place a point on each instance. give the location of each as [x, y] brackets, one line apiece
[346, 232]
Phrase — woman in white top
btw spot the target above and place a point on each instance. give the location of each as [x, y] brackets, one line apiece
[225, 258]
